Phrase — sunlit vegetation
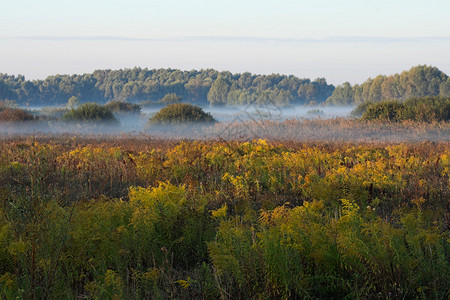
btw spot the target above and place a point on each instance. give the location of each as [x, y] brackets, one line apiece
[420, 81]
[15, 115]
[181, 113]
[149, 86]
[73, 102]
[426, 109]
[136, 219]
[88, 113]
[209, 86]
[337, 129]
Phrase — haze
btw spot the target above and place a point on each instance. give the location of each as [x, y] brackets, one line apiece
[341, 41]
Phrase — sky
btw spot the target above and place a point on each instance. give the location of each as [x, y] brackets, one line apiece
[339, 40]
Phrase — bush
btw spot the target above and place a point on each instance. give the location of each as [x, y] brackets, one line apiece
[361, 109]
[15, 115]
[386, 111]
[123, 107]
[425, 109]
[181, 113]
[90, 112]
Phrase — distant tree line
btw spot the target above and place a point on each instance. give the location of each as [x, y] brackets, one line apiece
[218, 88]
[138, 85]
[420, 81]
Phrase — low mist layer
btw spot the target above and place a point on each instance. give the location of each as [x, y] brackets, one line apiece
[297, 123]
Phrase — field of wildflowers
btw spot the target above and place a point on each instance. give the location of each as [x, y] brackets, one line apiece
[124, 218]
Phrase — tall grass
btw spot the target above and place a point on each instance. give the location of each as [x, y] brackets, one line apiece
[215, 219]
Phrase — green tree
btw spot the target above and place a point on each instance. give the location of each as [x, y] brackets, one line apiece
[218, 93]
[445, 88]
[342, 95]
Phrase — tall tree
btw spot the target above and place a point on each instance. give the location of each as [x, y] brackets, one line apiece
[218, 93]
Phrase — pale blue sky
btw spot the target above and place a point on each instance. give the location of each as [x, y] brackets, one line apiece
[338, 40]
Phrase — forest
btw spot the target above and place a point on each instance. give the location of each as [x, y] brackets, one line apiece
[137, 85]
[216, 88]
[420, 81]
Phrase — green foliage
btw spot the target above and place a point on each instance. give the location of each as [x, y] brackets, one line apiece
[419, 81]
[361, 109]
[121, 107]
[342, 95]
[90, 112]
[181, 113]
[148, 86]
[386, 111]
[218, 93]
[427, 109]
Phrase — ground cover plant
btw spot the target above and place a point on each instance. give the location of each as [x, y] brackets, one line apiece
[130, 218]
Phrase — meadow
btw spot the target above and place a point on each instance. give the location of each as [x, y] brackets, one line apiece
[112, 217]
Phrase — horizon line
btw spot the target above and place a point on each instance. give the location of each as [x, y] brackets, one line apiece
[206, 38]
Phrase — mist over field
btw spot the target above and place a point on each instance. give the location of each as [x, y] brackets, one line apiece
[296, 123]
[224, 149]
[253, 105]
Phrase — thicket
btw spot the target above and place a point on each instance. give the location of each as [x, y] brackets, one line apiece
[181, 113]
[90, 112]
[230, 220]
[359, 110]
[15, 115]
[425, 109]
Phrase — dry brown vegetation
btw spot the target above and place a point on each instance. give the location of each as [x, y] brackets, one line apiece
[15, 115]
[338, 129]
